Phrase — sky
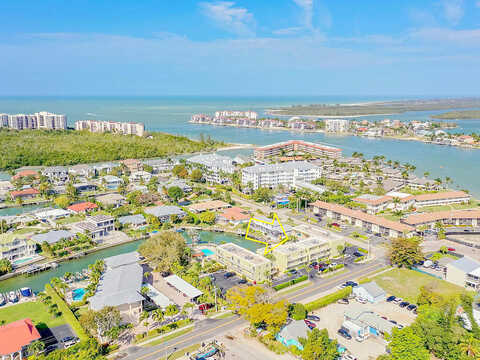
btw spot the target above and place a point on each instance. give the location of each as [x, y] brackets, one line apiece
[239, 48]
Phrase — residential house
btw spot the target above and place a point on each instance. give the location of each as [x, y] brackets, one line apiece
[56, 174]
[120, 287]
[97, 226]
[464, 272]
[233, 215]
[184, 288]
[114, 200]
[139, 176]
[83, 207]
[50, 214]
[290, 334]
[15, 247]
[15, 338]
[370, 291]
[111, 182]
[212, 205]
[132, 220]
[361, 323]
[182, 184]
[244, 262]
[133, 165]
[82, 170]
[84, 187]
[26, 173]
[28, 193]
[159, 165]
[164, 213]
[104, 168]
[53, 236]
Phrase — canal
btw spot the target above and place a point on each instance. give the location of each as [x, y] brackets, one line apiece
[37, 282]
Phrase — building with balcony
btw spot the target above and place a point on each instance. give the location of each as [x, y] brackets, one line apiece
[291, 255]
[15, 338]
[337, 125]
[215, 167]
[15, 247]
[442, 198]
[297, 146]
[456, 217]
[123, 128]
[244, 262]
[285, 174]
[56, 174]
[97, 226]
[41, 120]
[270, 227]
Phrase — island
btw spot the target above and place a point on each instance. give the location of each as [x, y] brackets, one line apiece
[458, 115]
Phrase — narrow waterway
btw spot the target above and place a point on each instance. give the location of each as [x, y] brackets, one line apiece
[38, 281]
[17, 210]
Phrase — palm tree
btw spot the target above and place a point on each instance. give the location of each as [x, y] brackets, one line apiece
[158, 315]
[470, 346]
[35, 347]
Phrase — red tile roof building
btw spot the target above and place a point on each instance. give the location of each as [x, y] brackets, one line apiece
[82, 207]
[234, 214]
[27, 193]
[442, 198]
[25, 173]
[458, 217]
[16, 336]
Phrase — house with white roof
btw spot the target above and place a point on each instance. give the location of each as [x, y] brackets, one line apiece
[181, 286]
[464, 272]
[370, 291]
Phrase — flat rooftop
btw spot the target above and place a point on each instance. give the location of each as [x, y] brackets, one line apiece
[244, 254]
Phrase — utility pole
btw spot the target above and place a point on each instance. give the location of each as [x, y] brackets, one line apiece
[215, 290]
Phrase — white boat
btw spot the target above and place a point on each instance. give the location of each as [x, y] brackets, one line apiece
[12, 296]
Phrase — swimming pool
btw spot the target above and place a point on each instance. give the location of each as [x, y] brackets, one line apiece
[21, 261]
[78, 294]
[207, 252]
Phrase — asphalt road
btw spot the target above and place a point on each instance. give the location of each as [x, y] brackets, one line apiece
[208, 329]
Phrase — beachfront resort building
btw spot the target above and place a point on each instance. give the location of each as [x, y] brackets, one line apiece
[337, 125]
[98, 126]
[120, 287]
[215, 167]
[16, 247]
[292, 255]
[370, 223]
[273, 175]
[297, 146]
[244, 262]
[40, 120]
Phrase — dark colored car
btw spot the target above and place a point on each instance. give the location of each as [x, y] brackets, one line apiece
[351, 283]
[344, 333]
[310, 324]
[292, 271]
[393, 322]
[228, 275]
[404, 304]
[313, 318]
[391, 298]
[242, 281]
[343, 301]
[357, 254]
[411, 307]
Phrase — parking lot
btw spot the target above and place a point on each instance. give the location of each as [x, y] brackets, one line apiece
[331, 318]
[224, 284]
[53, 336]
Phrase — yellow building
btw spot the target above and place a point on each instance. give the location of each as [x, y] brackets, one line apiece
[294, 254]
[244, 262]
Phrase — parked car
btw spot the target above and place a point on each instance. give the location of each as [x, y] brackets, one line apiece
[344, 333]
[351, 283]
[361, 300]
[393, 322]
[348, 357]
[292, 271]
[343, 301]
[228, 275]
[69, 341]
[398, 300]
[242, 281]
[404, 304]
[335, 224]
[313, 318]
[451, 249]
[310, 324]
[391, 298]
[411, 307]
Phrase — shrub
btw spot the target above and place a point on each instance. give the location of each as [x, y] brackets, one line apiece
[290, 283]
[328, 299]
[365, 251]
[297, 311]
[358, 259]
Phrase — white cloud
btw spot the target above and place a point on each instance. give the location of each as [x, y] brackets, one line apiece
[307, 8]
[448, 36]
[288, 31]
[453, 10]
[229, 17]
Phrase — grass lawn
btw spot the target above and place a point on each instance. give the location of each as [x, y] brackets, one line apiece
[36, 311]
[178, 354]
[25, 230]
[407, 283]
[392, 217]
[70, 220]
[471, 205]
[169, 337]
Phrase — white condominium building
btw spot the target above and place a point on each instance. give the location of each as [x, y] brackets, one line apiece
[297, 146]
[337, 125]
[244, 262]
[273, 175]
[252, 115]
[98, 126]
[292, 255]
[40, 120]
[215, 166]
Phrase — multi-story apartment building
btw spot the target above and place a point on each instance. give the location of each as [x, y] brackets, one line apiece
[273, 175]
[244, 262]
[252, 115]
[14, 247]
[442, 198]
[297, 146]
[98, 126]
[292, 255]
[215, 166]
[337, 125]
[270, 227]
[40, 120]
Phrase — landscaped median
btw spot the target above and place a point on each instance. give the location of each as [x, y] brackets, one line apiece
[328, 299]
[290, 283]
[161, 332]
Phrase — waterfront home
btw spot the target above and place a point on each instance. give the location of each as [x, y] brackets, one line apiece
[82, 170]
[362, 323]
[244, 262]
[24, 194]
[464, 272]
[182, 287]
[290, 334]
[164, 213]
[56, 174]
[84, 187]
[270, 227]
[137, 187]
[83, 207]
[421, 183]
[15, 338]
[273, 175]
[442, 198]
[133, 165]
[53, 236]
[138, 176]
[111, 200]
[373, 203]
[233, 215]
[292, 255]
[159, 165]
[457, 218]
[370, 223]
[5, 187]
[120, 286]
[96, 227]
[215, 167]
[182, 184]
[212, 205]
[370, 291]
[111, 182]
[50, 214]
[133, 220]
[15, 247]
[26, 173]
[104, 168]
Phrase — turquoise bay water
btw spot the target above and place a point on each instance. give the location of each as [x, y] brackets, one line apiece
[171, 114]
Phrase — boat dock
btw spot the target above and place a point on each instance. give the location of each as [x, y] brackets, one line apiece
[36, 268]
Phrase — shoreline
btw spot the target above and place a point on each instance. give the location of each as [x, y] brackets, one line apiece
[261, 128]
[273, 112]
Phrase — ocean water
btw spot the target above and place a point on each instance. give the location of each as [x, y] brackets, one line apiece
[171, 114]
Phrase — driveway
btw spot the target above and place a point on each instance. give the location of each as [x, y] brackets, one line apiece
[52, 336]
